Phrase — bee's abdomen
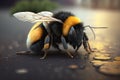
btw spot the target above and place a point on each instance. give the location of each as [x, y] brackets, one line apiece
[36, 36]
[37, 46]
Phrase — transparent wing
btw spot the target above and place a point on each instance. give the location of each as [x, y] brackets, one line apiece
[27, 16]
[47, 16]
[45, 13]
[33, 18]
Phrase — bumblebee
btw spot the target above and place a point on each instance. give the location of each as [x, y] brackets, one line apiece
[52, 29]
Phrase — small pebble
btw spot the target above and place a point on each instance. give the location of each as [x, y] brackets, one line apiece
[95, 61]
[21, 71]
[102, 58]
[102, 54]
[117, 58]
[111, 68]
[73, 66]
[98, 63]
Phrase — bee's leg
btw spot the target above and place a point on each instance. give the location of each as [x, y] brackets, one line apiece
[86, 44]
[90, 47]
[65, 46]
[72, 32]
[56, 46]
[46, 46]
[24, 53]
[78, 46]
[72, 37]
[69, 54]
[45, 54]
[53, 42]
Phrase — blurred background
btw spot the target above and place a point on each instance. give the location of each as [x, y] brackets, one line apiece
[13, 33]
[105, 4]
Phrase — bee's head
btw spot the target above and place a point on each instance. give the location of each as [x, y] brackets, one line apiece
[79, 28]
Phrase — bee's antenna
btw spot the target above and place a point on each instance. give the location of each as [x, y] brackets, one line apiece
[91, 30]
[99, 27]
[94, 28]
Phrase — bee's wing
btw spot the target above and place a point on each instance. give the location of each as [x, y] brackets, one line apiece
[27, 16]
[47, 16]
[33, 18]
[47, 19]
[45, 13]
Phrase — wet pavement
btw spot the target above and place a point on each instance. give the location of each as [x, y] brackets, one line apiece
[58, 65]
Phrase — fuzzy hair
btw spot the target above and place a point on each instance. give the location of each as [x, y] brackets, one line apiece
[62, 15]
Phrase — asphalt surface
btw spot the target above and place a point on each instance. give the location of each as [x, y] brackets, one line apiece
[56, 66]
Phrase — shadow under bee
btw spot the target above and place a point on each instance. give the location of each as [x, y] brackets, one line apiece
[53, 54]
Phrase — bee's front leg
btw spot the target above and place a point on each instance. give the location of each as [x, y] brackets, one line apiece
[66, 46]
[46, 46]
[86, 43]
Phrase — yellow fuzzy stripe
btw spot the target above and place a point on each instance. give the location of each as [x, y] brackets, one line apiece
[70, 21]
[46, 46]
[34, 34]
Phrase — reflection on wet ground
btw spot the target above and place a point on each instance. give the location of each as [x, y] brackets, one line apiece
[57, 66]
